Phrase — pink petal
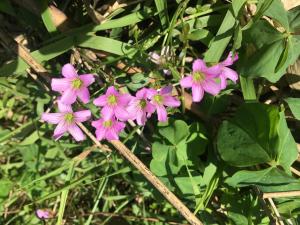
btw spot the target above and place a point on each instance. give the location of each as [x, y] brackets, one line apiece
[171, 101]
[166, 90]
[151, 92]
[64, 107]
[42, 214]
[87, 79]
[60, 129]
[199, 65]
[75, 131]
[82, 116]
[141, 118]
[186, 82]
[60, 84]
[124, 99]
[229, 60]
[223, 82]
[211, 86]
[213, 71]
[100, 101]
[121, 113]
[162, 113]
[97, 123]
[132, 108]
[100, 133]
[118, 126]
[84, 95]
[197, 93]
[111, 135]
[150, 108]
[107, 112]
[69, 71]
[53, 118]
[112, 91]
[230, 73]
[68, 97]
[142, 93]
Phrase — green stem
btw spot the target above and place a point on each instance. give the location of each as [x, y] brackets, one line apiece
[64, 196]
[248, 88]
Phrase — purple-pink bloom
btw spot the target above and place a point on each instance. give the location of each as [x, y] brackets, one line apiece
[140, 107]
[66, 121]
[108, 128]
[72, 85]
[202, 79]
[227, 73]
[163, 98]
[114, 104]
[43, 214]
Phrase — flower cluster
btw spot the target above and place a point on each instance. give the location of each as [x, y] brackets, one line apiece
[70, 87]
[117, 108]
[203, 78]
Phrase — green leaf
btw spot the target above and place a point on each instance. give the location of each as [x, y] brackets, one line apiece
[222, 39]
[277, 12]
[161, 7]
[287, 151]
[294, 104]
[294, 19]
[261, 8]
[224, 34]
[5, 186]
[175, 132]
[237, 5]
[47, 17]
[105, 44]
[202, 35]
[268, 55]
[257, 134]
[268, 180]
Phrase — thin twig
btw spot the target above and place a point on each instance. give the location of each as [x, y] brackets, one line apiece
[190, 217]
[275, 211]
[282, 194]
[93, 138]
[295, 171]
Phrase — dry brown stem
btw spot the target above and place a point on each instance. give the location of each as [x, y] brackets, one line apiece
[282, 194]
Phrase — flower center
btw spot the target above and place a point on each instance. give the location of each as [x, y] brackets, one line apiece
[198, 76]
[158, 99]
[69, 117]
[143, 103]
[107, 123]
[112, 100]
[77, 83]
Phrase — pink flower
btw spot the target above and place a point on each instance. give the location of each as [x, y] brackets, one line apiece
[114, 104]
[227, 73]
[44, 214]
[163, 98]
[72, 85]
[108, 128]
[140, 108]
[202, 79]
[66, 121]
